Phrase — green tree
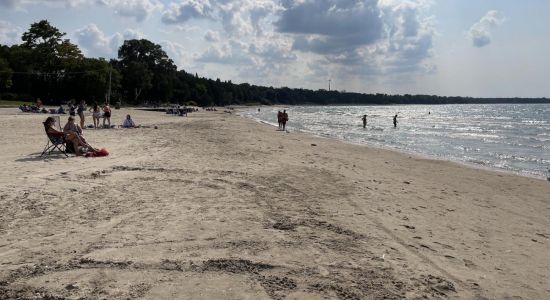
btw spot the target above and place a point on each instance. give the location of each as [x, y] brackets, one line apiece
[48, 60]
[5, 74]
[142, 63]
[52, 53]
[136, 79]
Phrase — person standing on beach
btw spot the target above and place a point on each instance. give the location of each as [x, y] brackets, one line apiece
[285, 119]
[80, 111]
[364, 121]
[96, 114]
[280, 119]
[72, 109]
[106, 114]
[395, 121]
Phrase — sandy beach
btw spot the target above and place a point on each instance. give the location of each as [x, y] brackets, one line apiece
[216, 206]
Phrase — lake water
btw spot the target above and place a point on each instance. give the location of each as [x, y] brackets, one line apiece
[510, 137]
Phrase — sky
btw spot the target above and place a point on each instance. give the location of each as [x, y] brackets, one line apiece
[477, 48]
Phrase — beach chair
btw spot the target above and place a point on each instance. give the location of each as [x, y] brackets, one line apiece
[54, 142]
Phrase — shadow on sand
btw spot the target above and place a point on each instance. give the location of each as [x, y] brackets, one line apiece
[36, 157]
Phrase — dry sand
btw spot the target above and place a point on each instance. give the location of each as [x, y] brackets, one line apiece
[217, 206]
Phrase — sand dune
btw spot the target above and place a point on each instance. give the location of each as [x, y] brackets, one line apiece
[215, 206]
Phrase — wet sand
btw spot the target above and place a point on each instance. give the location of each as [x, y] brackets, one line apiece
[217, 206]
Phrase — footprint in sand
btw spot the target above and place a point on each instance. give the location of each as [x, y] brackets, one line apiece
[469, 263]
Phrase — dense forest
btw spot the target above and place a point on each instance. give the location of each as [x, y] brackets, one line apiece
[48, 66]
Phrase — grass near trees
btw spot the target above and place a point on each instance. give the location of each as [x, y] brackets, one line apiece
[13, 102]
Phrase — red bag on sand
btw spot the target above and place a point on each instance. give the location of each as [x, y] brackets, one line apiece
[98, 153]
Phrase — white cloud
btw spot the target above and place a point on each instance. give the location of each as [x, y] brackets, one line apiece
[137, 9]
[232, 52]
[238, 17]
[331, 26]
[187, 10]
[480, 32]
[357, 38]
[177, 53]
[9, 34]
[96, 43]
[212, 36]
[133, 34]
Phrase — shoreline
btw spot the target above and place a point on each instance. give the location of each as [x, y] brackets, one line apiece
[414, 153]
[215, 205]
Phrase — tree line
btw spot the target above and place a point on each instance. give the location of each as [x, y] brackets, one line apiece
[46, 65]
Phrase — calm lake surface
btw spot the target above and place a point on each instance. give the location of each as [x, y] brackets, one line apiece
[510, 137]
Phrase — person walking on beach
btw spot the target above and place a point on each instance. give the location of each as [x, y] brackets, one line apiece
[364, 121]
[285, 119]
[80, 111]
[280, 119]
[395, 121]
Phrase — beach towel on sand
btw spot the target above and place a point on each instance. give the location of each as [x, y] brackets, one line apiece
[98, 153]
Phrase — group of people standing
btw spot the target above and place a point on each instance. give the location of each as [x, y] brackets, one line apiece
[282, 118]
[97, 113]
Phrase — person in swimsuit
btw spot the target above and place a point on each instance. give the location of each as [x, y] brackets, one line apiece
[80, 111]
[395, 121]
[280, 119]
[96, 114]
[106, 114]
[364, 121]
[72, 109]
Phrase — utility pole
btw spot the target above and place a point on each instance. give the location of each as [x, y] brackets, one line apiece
[329, 84]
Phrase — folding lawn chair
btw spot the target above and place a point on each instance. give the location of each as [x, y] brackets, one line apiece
[55, 142]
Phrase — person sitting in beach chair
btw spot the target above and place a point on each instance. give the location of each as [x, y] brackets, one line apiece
[129, 123]
[61, 141]
[56, 138]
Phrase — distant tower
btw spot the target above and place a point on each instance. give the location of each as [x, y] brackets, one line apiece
[329, 84]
